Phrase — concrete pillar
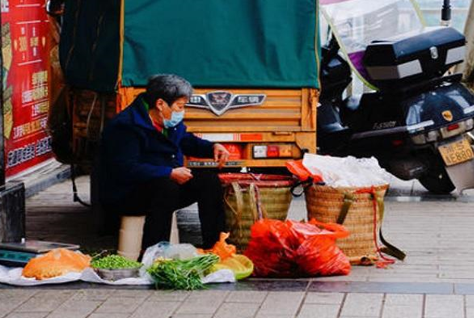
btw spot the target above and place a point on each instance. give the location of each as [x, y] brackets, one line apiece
[468, 65]
[12, 195]
[12, 212]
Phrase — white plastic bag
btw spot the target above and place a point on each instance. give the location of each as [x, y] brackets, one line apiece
[348, 171]
[13, 276]
[221, 276]
[89, 275]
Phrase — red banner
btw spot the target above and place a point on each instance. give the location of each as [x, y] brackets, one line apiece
[25, 52]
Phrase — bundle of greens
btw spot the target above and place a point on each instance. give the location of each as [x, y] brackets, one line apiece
[182, 274]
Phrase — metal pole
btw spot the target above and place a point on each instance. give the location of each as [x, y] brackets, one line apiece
[446, 13]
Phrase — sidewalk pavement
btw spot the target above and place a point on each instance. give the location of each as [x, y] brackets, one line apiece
[435, 281]
[101, 303]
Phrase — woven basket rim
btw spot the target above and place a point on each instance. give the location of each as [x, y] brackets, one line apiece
[261, 180]
[349, 189]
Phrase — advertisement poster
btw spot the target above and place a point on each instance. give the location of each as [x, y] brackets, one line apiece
[25, 62]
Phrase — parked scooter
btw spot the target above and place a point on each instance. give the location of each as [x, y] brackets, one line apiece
[417, 122]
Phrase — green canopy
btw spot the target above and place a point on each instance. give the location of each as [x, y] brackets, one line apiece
[212, 43]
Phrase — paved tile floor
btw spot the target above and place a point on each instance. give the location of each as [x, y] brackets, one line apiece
[228, 304]
[436, 280]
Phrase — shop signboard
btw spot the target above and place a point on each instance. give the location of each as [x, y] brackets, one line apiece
[25, 63]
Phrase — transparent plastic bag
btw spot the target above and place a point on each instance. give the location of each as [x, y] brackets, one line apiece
[357, 23]
[183, 252]
[166, 250]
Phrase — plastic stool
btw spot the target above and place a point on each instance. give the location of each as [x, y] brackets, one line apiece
[131, 235]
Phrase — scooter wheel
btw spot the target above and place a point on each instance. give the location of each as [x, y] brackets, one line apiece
[437, 181]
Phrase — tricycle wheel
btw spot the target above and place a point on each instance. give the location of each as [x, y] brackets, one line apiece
[437, 181]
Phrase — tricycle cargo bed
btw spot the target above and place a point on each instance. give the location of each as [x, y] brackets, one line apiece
[281, 110]
[265, 135]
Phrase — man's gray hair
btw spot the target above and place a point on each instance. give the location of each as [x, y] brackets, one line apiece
[168, 87]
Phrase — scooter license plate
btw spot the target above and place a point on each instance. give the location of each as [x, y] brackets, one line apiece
[456, 152]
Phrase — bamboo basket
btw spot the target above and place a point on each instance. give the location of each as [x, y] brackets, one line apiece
[325, 204]
[248, 198]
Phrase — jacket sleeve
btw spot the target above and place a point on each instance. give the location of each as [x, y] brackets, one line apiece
[122, 153]
[196, 147]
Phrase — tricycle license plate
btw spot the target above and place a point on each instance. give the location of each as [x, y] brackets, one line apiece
[456, 152]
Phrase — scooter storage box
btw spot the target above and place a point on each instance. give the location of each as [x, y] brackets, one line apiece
[413, 57]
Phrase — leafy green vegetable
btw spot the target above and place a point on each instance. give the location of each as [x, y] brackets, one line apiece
[182, 274]
[114, 262]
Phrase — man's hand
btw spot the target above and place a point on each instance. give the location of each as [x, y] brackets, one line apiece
[220, 155]
[181, 175]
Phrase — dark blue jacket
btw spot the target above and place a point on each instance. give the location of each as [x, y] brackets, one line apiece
[134, 152]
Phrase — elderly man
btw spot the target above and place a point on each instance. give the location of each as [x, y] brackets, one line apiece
[142, 170]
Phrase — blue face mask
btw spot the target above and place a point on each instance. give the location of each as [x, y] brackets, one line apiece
[176, 118]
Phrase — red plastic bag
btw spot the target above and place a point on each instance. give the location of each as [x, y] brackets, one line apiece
[297, 249]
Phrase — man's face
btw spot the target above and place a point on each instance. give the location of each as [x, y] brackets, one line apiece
[177, 106]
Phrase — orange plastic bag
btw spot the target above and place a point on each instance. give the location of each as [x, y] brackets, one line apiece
[56, 263]
[221, 248]
[241, 265]
[297, 168]
[297, 249]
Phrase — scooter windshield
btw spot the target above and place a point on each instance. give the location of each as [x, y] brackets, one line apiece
[356, 23]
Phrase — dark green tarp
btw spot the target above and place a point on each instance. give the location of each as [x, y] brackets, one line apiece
[212, 43]
[231, 43]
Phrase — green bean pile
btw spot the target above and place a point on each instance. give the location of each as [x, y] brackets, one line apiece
[114, 262]
[182, 274]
